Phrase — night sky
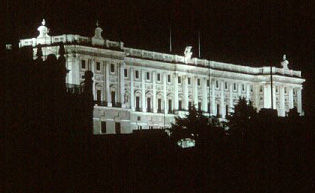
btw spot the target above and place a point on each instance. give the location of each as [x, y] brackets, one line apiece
[239, 31]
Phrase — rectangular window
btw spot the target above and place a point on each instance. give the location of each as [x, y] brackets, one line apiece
[159, 105]
[227, 110]
[168, 78]
[125, 73]
[169, 106]
[180, 105]
[225, 85]
[179, 80]
[113, 98]
[208, 83]
[148, 104]
[148, 75]
[216, 84]
[103, 127]
[260, 89]
[137, 74]
[188, 80]
[234, 86]
[98, 95]
[112, 68]
[98, 66]
[243, 87]
[198, 81]
[218, 110]
[285, 89]
[117, 128]
[158, 77]
[137, 103]
[83, 64]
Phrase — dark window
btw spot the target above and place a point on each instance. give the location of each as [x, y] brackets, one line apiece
[208, 107]
[125, 73]
[148, 104]
[243, 87]
[112, 68]
[234, 86]
[148, 75]
[180, 105]
[158, 76]
[83, 64]
[188, 80]
[169, 78]
[218, 110]
[103, 127]
[217, 84]
[159, 105]
[169, 105]
[137, 103]
[199, 106]
[208, 83]
[117, 128]
[98, 66]
[285, 89]
[113, 98]
[137, 74]
[198, 81]
[138, 118]
[179, 80]
[98, 95]
[261, 89]
[225, 85]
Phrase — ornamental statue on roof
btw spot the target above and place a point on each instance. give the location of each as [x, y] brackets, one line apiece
[43, 30]
[188, 53]
[98, 32]
[284, 62]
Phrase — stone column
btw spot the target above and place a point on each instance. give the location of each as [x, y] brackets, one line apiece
[132, 92]
[204, 95]
[222, 102]
[154, 92]
[69, 67]
[239, 90]
[299, 100]
[195, 92]
[109, 100]
[143, 91]
[274, 97]
[291, 105]
[281, 111]
[185, 91]
[164, 93]
[175, 91]
[122, 84]
[256, 94]
[75, 70]
[248, 92]
[213, 103]
[92, 68]
[231, 105]
[267, 96]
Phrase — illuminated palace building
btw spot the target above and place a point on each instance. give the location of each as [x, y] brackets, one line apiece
[140, 89]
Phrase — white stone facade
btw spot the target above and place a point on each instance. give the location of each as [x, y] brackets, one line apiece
[140, 89]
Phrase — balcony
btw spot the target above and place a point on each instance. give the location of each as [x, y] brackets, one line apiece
[101, 103]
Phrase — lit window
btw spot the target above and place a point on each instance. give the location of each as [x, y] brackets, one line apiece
[83, 64]
[112, 68]
[125, 72]
[98, 66]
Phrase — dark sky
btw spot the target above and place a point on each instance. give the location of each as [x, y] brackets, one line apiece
[239, 31]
